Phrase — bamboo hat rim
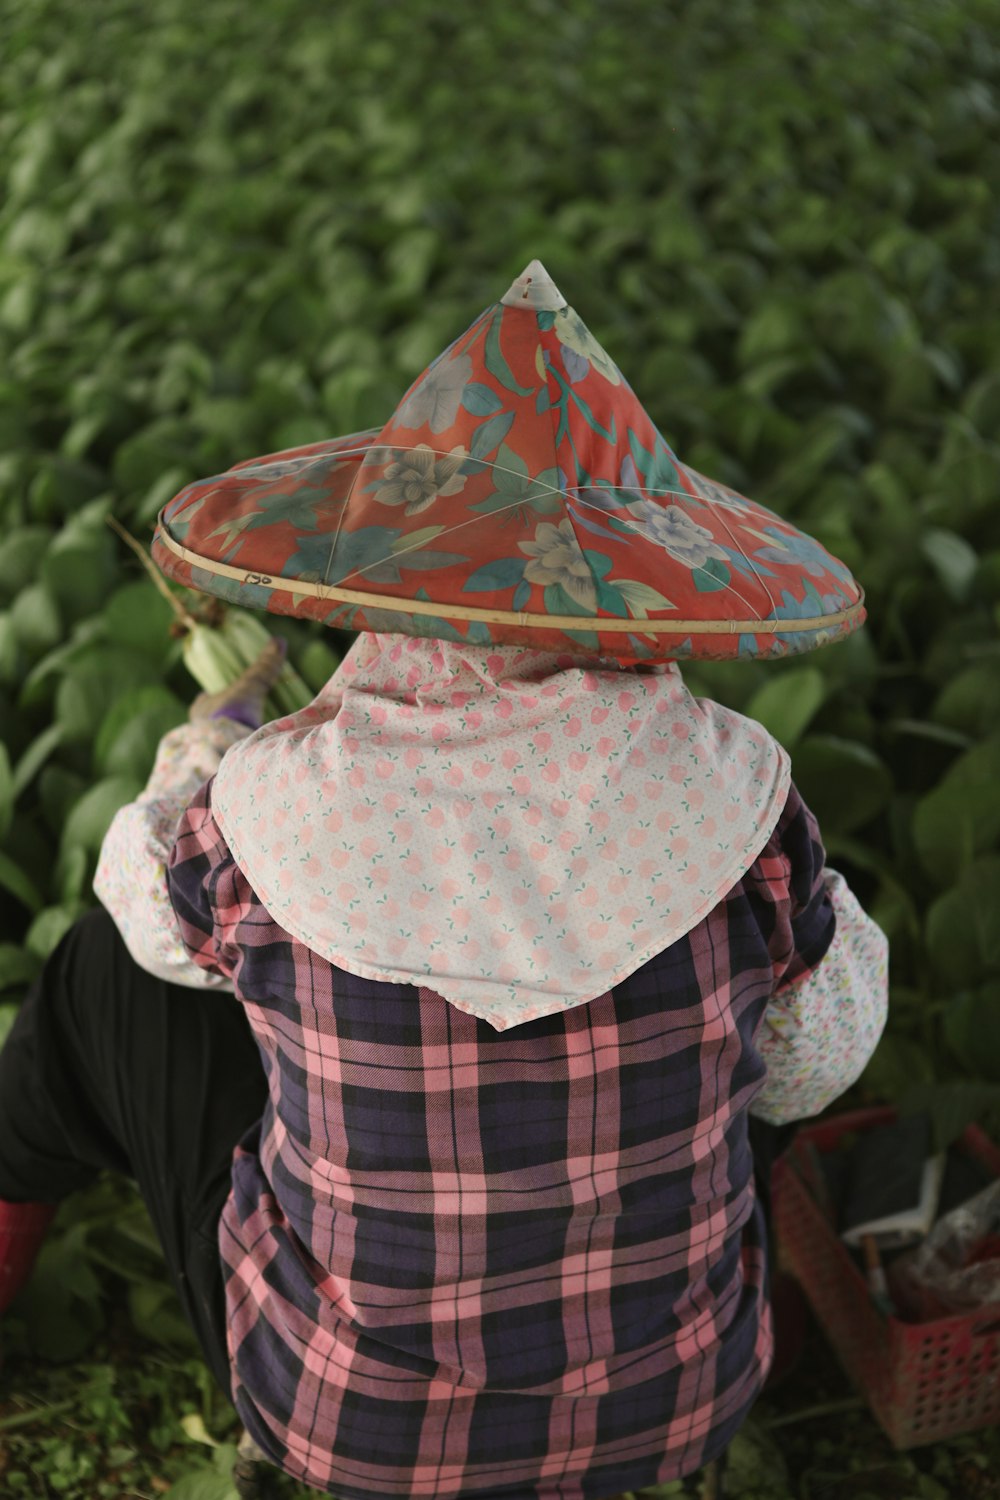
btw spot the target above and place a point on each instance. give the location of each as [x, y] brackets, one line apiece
[523, 618]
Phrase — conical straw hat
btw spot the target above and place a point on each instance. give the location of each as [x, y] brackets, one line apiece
[519, 494]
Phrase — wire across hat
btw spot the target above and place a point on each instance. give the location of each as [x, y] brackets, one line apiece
[519, 494]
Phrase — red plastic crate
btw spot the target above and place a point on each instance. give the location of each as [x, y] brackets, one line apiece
[923, 1381]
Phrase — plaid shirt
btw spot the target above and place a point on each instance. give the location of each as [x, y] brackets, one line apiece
[526, 1263]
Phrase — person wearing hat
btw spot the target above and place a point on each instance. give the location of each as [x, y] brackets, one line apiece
[527, 942]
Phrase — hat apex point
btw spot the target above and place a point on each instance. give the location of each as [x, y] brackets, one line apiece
[535, 289]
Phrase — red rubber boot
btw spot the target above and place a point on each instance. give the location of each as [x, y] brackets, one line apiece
[22, 1229]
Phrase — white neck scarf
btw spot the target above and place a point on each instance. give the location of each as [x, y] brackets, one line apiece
[517, 830]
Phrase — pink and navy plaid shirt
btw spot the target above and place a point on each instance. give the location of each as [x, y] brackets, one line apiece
[526, 1263]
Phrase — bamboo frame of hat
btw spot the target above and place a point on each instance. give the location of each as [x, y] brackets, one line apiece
[508, 616]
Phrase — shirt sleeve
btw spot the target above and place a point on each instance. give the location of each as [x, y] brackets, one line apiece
[830, 961]
[209, 893]
[131, 877]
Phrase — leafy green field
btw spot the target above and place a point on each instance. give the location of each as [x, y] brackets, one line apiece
[231, 228]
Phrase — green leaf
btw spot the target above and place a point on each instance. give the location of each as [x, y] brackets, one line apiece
[317, 664]
[35, 757]
[970, 702]
[788, 703]
[952, 1107]
[756, 1463]
[7, 792]
[960, 818]
[99, 677]
[921, 730]
[897, 1062]
[10, 650]
[59, 790]
[8, 1015]
[79, 570]
[160, 493]
[14, 880]
[963, 935]
[145, 457]
[85, 633]
[62, 1304]
[156, 1314]
[843, 783]
[224, 1457]
[764, 379]
[17, 966]
[203, 1484]
[195, 1429]
[981, 403]
[50, 927]
[72, 869]
[91, 816]
[775, 326]
[35, 620]
[952, 558]
[971, 1026]
[20, 558]
[132, 729]
[66, 487]
[138, 616]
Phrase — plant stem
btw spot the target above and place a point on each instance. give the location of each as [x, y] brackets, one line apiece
[824, 1409]
[154, 572]
[25, 1418]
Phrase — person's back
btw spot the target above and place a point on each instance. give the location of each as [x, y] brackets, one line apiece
[456, 1253]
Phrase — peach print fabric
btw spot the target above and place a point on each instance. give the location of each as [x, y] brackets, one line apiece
[518, 830]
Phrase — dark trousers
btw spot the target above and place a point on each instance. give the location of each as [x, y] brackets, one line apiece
[109, 1067]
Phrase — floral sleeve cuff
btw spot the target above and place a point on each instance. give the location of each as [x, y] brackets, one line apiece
[817, 1036]
[131, 878]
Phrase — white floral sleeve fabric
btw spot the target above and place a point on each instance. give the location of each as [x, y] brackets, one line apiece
[818, 1034]
[131, 878]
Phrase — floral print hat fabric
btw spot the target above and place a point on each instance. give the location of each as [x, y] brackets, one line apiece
[515, 829]
[520, 494]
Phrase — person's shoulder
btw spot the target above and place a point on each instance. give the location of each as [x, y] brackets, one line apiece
[792, 859]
